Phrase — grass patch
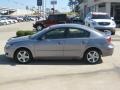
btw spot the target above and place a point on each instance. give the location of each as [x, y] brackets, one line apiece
[24, 33]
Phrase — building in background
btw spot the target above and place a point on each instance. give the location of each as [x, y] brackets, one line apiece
[6, 11]
[15, 12]
[112, 7]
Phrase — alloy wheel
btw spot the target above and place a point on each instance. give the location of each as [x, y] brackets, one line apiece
[23, 56]
[93, 56]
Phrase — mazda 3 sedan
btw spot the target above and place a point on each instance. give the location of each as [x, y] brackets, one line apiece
[61, 41]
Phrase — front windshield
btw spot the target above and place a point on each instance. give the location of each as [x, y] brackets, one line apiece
[100, 16]
[38, 34]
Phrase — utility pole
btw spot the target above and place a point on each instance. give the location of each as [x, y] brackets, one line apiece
[53, 2]
[39, 10]
[53, 8]
[39, 4]
[44, 9]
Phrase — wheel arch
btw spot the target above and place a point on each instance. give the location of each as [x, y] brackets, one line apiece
[24, 49]
[40, 24]
[92, 48]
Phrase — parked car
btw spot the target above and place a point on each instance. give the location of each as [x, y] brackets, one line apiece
[5, 21]
[76, 20]
[12, 21]
[1, 23]
[29, 18]
[51, 20]
[20, 19]
[33, 18]
[60, 41]
[100, 21]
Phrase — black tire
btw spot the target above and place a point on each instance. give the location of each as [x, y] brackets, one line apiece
[39, 28]
[113, 32]
[87, 59]
[5, 23]
[28, 54]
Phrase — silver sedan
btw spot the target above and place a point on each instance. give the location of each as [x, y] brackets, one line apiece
[61, 41]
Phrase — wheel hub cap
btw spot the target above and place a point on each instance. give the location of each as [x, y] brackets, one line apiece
[93, 56]
[23, 56]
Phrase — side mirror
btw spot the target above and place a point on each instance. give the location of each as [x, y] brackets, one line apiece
[112, 18]
[41, 38]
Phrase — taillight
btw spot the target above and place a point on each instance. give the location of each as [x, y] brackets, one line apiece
[109, 39]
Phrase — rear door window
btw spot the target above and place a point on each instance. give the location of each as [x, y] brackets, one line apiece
[77, 33]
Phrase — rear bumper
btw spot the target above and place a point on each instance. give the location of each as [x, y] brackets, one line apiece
[108, 51]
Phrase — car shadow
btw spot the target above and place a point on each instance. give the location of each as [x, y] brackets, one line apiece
[6, 61]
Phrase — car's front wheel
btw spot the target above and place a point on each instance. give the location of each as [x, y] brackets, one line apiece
[113, 32]
[23, 56]
[39, 28]
[92, 56]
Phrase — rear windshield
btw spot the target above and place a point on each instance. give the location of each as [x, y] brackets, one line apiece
[61, 17]
[100, 16]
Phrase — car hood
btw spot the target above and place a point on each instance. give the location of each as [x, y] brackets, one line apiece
[40, 21]
[102, 20]
[18, 39]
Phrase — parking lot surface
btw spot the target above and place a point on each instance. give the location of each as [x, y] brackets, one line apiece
[57, 74]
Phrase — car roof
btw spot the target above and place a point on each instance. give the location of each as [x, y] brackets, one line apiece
[70, 25]
[76, 26]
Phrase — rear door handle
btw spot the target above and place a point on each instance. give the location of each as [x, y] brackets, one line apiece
[60, 42]
[84, 42]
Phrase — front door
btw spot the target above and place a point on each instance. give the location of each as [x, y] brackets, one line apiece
[52, 44]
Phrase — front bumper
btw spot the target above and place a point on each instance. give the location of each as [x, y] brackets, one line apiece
[105, 28]
[8, 52]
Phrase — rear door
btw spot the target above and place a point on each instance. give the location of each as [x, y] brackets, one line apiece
[75, 42]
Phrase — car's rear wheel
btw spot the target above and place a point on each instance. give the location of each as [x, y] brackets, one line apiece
[92, 56]
[23, 56]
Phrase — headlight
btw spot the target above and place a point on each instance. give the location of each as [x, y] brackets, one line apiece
[8, 45]
[113, 23]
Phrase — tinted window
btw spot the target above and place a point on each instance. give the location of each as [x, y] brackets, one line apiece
[61, 17]
[55, 34]
[77, 33]
[100, 17]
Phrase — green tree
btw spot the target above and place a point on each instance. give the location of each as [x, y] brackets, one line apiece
[70, 4]
[75, 5]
